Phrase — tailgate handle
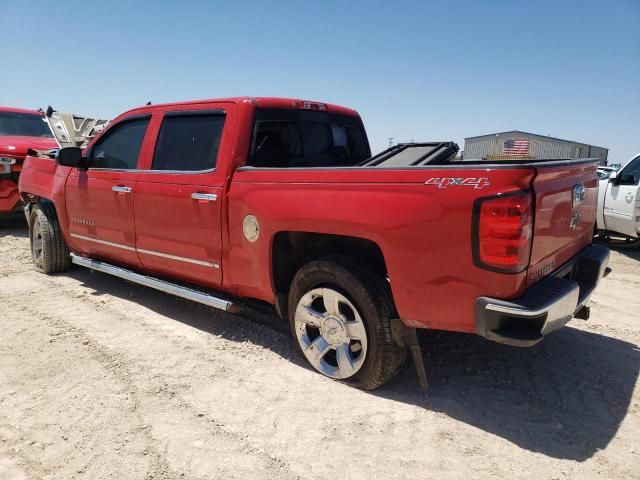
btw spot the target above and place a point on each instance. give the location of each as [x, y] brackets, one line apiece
[208, 197]
[121, 189]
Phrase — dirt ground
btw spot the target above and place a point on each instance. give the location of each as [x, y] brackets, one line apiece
[100, 378]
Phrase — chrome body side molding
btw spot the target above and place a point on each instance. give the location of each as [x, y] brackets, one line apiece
[102, 242]
[178, 258]
[147, 252]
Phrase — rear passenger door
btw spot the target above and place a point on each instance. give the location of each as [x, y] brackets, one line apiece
[178, 197]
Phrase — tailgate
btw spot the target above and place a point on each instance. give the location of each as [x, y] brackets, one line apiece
[566, 195]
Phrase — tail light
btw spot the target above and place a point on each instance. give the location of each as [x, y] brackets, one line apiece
[502, 230]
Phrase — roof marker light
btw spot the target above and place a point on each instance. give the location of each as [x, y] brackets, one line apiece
[305, 105]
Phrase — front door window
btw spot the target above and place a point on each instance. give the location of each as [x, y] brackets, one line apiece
[120, 147]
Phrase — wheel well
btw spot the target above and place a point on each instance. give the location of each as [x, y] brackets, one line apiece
[31, 200]
[291, 250]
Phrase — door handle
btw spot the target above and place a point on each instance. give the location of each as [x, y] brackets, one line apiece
[209, 197]
[121, 189]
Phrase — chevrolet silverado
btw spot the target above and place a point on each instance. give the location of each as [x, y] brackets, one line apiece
[280, 200]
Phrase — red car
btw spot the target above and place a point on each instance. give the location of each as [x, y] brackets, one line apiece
[280, 200]
[20, 130]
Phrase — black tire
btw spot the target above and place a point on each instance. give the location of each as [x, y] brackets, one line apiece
[49, 251]
[371, 296]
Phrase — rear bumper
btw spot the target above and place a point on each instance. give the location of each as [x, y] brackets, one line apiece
[546, 306]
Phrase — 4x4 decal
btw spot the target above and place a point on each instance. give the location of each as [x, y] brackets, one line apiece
[444, 182]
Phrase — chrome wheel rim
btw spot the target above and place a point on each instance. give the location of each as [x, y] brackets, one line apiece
[331, 333]
[36, 240]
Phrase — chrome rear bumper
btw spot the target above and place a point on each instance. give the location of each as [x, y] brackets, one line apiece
[546, 306]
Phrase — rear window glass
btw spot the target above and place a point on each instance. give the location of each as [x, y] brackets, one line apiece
[188, 142]
[292, 138]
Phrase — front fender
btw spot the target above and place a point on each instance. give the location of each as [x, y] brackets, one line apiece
[42, 179]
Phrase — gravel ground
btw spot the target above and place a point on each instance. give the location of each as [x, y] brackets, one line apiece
[100, 378]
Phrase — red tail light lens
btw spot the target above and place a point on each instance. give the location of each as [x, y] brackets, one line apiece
[503, 228]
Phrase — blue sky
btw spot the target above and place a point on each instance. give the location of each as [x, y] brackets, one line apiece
[421, 70]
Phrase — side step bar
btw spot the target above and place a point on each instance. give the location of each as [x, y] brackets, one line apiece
[162, 285]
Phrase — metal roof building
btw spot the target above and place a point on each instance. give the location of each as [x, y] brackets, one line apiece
[517, 145]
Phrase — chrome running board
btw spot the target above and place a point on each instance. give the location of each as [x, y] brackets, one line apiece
[162, 285]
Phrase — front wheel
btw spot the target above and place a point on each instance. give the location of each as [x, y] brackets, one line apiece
[49, 251]
[340, 317]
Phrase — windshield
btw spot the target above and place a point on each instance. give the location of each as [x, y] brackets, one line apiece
[23, 125]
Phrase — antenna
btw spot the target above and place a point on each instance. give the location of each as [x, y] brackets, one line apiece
[390, 141]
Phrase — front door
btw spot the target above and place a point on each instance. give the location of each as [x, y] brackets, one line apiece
[179, 197]
[622, 201]
[99, 200]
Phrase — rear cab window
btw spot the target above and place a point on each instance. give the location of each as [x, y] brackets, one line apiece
[303, 138]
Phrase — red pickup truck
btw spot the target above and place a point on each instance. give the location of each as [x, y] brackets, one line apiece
[20, 130]
[280, 200]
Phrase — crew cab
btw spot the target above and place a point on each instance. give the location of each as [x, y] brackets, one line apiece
[20, 129]
[280, 200]
[619, 201]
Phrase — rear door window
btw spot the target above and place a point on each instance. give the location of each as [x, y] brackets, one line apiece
[188, 141]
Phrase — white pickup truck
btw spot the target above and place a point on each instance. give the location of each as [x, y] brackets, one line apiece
[619, 201]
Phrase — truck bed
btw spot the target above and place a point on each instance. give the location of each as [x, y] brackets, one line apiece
[421, 218]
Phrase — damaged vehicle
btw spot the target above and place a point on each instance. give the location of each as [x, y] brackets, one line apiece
[39, 133]
[280, 200]
[20, 129]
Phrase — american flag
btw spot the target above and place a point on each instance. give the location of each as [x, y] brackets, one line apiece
[518, 146]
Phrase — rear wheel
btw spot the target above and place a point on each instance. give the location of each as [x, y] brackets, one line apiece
[340, 317]
[49, 251]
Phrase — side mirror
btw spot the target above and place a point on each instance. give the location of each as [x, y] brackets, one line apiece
[613, 178]
[70, 157]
